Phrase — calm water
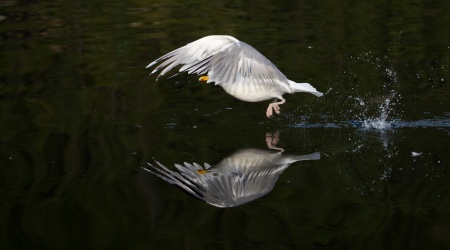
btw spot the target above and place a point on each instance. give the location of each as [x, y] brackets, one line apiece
[81, 121]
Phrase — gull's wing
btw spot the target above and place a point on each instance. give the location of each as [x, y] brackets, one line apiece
[192, 53]
[186, 179]
[225, 59]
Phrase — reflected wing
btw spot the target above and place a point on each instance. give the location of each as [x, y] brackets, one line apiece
[184, 181]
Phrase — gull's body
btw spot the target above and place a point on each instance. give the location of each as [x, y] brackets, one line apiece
[237, 67]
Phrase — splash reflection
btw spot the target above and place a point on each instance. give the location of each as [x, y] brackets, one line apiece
[241, 177]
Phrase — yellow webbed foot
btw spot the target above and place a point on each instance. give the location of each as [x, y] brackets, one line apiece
[202, 171]
[203, 78]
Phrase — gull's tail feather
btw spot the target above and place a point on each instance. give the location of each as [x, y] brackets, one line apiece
[304, 87]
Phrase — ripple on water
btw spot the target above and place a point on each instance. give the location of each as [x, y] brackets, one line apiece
[378, 124]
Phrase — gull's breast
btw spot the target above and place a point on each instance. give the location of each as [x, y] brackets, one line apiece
[252, 91]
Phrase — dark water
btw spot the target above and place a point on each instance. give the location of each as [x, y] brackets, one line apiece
[81, 119]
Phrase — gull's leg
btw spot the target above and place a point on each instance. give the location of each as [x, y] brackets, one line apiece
[275, 106]
[272, 140]
[203, 78]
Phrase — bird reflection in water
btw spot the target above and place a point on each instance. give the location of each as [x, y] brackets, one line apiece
[241, 177]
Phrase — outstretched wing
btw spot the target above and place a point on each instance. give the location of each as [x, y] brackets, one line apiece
[225, 60]
[192, 53]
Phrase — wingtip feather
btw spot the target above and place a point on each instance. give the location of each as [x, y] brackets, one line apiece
[151, 64]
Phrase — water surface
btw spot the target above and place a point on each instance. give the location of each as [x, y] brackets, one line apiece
[81, 117]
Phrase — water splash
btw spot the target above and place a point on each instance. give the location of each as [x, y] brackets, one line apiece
[382, 121]
[363, 113]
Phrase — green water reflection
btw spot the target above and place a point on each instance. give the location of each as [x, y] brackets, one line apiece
[80, 117]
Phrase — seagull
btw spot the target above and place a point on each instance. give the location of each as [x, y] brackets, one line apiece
[236, 66]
